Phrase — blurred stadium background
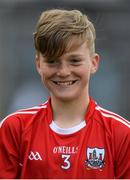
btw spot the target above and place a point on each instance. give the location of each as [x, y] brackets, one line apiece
[20, 84]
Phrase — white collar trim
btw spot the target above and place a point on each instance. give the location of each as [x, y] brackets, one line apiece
[65, 131]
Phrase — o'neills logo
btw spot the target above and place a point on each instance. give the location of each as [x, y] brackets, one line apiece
[95, 158]
[65, 150]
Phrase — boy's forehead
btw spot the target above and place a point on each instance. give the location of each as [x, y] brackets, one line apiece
[76, 50]
[74, 44]
[74, 47]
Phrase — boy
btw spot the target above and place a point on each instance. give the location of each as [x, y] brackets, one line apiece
[70, 135]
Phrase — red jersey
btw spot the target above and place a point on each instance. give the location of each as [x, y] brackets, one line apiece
[33, 146]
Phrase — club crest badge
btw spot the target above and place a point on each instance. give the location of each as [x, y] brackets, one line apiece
[95, 158]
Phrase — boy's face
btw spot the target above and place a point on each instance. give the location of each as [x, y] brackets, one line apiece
[67, 78]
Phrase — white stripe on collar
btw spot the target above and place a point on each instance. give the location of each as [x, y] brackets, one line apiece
[65, 131]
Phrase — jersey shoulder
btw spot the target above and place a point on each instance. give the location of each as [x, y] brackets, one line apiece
[23, 117]
[111, 119]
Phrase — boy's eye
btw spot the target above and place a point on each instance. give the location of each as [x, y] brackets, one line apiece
[75, 61]
[52, 61]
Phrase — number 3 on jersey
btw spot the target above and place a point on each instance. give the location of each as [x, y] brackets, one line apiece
[66, 165]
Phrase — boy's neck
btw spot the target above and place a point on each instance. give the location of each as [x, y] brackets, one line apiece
[68, 114]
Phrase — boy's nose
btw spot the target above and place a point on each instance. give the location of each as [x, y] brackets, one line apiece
[63, 70]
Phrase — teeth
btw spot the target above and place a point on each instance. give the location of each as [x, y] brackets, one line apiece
[64, 83]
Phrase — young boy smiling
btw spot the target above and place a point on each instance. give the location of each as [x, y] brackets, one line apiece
[70, 135]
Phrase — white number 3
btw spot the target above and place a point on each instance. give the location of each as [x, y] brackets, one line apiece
[66, 161]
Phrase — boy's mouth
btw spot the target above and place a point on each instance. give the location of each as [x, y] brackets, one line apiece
[64, 83]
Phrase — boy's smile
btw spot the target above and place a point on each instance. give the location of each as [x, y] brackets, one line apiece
[65, 83]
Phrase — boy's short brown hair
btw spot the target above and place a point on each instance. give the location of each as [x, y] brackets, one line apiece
[56, 28]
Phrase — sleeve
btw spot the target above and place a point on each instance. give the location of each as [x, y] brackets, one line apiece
[9, 148]
[122, 152]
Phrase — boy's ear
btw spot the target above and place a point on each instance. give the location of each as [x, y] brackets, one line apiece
[37, 63]
[95, 63]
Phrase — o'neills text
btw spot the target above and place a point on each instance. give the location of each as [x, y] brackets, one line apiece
[65, 150]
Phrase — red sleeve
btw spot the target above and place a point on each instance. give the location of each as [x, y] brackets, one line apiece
[122, 152]
[9, 148]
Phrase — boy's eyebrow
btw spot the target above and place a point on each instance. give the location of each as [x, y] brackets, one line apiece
[69, 56]
[75, 55]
